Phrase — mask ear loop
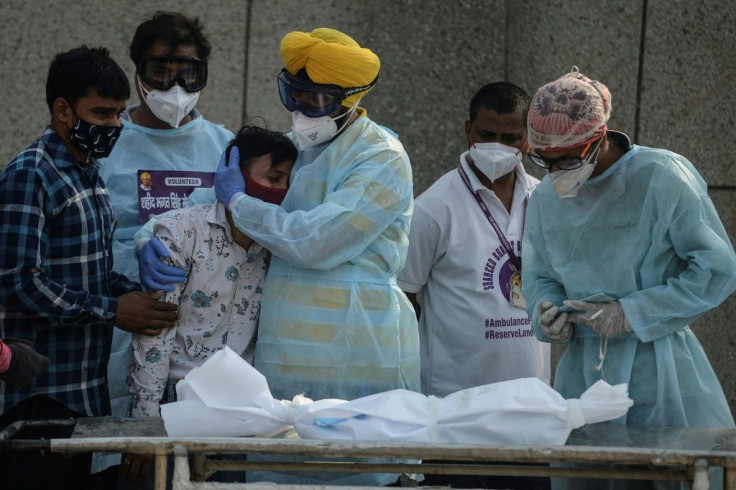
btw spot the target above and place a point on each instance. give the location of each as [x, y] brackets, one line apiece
[594, 152]
[346, 115]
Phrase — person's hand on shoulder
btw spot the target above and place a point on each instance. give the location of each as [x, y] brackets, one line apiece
[143, 313]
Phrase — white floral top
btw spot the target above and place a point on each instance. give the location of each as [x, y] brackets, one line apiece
[219, 302]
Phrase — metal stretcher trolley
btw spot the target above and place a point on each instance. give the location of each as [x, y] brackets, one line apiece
[593, 451]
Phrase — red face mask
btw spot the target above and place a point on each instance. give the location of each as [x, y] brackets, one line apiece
[265, 194]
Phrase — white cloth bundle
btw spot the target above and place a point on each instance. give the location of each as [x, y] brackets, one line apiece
[227, 397]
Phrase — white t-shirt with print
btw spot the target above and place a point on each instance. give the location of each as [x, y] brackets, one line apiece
[470, 334]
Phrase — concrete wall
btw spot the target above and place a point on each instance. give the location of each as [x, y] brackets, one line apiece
[33, 32]
[670, 66]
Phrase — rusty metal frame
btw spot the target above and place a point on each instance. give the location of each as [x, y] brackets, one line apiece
[655, 464]
[596, 462]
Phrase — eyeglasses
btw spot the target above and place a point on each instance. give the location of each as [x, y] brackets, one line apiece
[567, 163]
[162, 72]
[314, 99]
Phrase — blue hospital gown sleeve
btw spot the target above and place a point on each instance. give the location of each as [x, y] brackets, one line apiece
[373, 194]
[699, 240]
[539, 282]
[648, 235]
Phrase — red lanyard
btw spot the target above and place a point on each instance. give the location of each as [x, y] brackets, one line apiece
[515, 260]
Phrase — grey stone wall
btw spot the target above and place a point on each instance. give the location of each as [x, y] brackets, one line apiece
[33, 32]
[670, 65]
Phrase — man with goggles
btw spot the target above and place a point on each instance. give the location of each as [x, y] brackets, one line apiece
[164, 135]
[333, 322]
[168, 83]
[637, 225]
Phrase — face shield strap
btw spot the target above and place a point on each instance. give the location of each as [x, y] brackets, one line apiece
[356, 90]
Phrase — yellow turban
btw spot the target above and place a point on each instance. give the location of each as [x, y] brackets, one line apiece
[330, 57]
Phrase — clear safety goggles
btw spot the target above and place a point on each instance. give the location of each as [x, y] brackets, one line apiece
[568, 163]
[314, 99]
[162, 72]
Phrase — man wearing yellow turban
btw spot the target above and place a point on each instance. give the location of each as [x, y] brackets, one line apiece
[333, 323]
[325, 75]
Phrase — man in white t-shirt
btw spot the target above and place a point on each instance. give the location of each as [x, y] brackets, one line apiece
[473, 327]
[463, 265]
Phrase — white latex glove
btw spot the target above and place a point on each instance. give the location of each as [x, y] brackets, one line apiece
[605, 319]
[557, 327]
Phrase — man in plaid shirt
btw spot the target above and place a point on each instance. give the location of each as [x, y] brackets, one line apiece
[57, 286]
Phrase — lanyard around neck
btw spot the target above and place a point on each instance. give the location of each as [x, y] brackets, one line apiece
[515, 260]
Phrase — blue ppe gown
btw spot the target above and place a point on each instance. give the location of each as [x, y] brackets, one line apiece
[645, 232]
[334, 323]
[195, 146]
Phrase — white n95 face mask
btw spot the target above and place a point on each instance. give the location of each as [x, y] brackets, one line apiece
[494, 159]
[567, 183]
[312, 131]
[171, 106]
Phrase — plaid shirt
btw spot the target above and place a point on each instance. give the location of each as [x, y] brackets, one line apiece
[57, 287]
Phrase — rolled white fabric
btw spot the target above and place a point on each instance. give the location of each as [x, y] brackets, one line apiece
[228, 397]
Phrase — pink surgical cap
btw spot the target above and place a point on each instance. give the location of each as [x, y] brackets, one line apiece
[569, 112]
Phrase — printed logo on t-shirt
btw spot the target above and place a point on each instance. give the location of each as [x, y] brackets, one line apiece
[498, 275]
[508, 328]
[499, 271]
[162, 190]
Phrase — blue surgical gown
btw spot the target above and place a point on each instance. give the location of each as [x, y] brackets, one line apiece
[646, 232]
[195, 146]
[334, 323]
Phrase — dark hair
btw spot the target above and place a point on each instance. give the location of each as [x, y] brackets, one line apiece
[172, 28]
[502, 97]
[74, 74]
[255, 141]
